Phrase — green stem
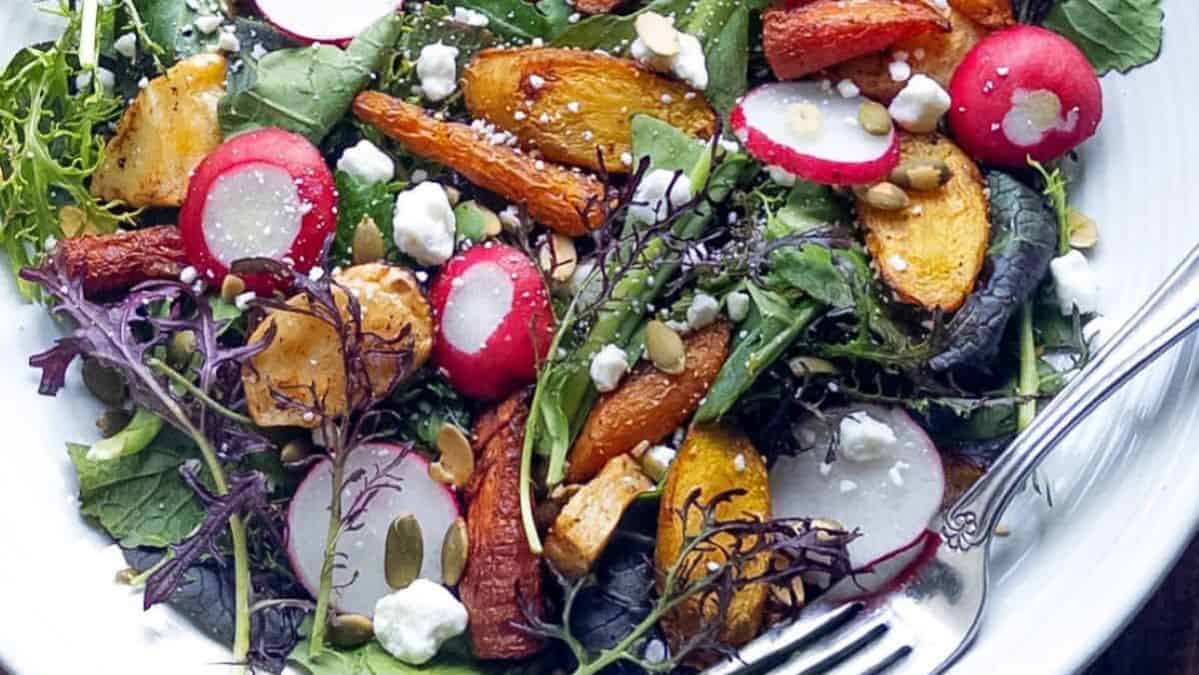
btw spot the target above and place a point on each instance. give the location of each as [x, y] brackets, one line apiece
[320, 616]
[1029, 381]
[178, 378]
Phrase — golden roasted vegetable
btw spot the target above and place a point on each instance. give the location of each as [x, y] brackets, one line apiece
[800, 40]
[934, 54]
[306, 351]
[960, 473]
[993, 14]
[649, 405]
[585, 525]
[565, 201]
[568, 103]
[170, 126]
[708, 461]
[931, 252]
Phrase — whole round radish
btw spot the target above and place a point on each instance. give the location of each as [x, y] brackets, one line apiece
[814, 133]
[359, 580]
[886, 480]
[331, 22]
[494, 321]
[265, 193]
[1024, 92]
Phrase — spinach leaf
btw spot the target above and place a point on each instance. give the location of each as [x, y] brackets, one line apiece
[811, 269]
[306, 90]
[427, 402]
[1114, 34]
[613, 33]
[808, 206]
[425, 25]
[357, 200]
[171, 25]
[668, 148]
[371, 659]
[510, 19]
[1023, 241]
[140, 499]
[135, 437]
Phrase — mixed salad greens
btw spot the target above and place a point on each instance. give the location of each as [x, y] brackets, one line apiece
[498, 336]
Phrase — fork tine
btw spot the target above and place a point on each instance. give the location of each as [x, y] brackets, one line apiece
[889, 660]
[776, 646]
[823, 657]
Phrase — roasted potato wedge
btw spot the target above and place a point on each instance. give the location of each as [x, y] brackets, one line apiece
[649, 405]
[960, 473]
[934, 54]
[992, 14]
[802, 40]
[306, 352]
[583, 102]
[565, 201]
[170, 126]
[931, 252]
[708, 461]
[585, 525]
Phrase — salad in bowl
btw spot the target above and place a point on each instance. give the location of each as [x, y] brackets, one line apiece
[492, 336]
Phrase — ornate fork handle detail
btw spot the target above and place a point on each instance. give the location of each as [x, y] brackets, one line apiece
[1170, 314]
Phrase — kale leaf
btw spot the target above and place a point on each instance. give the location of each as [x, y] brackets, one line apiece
[357, 200]
[1114, 34]
[1023, 241]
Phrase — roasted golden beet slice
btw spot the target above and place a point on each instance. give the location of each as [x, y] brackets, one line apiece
[563, 200]
[713, 459]
[802, 40]
[649, 405]
[935, 54]
[932, 251]
[568, 104]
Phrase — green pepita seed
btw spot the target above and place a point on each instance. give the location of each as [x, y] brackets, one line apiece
[295, 451]
[921, 174]
[112, 422]
[350, 630]
[105, 383]
[874, 118]
[802, 366]
[887, 197]
[403, 552]
[665, 348]
[368, 245]
[180, 349]
[231, 287]
[126, 576]
[457, 461]
[455, 551]
[1084, 233]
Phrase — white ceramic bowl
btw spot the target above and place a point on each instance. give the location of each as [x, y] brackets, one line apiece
[1126, 484]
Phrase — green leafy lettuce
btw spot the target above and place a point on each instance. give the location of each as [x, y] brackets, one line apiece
[371, 659]
[1114, 34]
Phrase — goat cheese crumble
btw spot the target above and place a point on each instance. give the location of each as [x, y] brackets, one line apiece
[688, 64]
[864, 438]
[920, 105]
[651, 202]
[367, 163]
[413, 623]
[703, 311]
[608, 367]
[437, 71]
[1075, 284]
[424, 224]
[737, 305]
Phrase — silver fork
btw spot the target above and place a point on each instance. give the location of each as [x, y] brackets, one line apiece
[928, 624]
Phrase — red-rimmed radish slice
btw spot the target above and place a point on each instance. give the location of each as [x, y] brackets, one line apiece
[494, 321]
[1024, 92]
[359, 580]
[891, 498]
[814, 133]
[266, 193]
[331, 22]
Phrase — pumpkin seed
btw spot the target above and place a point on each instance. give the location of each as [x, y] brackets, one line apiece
[665, 348]
[73, 221]
[126, 576]
[180, 349]
[1084, 233]
[349, 630]
[112, 422]
[295, 451]
[874, 118]
[455, 551]
[368, 245]
[921, 174]
[403, 551]
[558, 257]
[792, 599]
[105, 383]
[457, 461]
[658, 33]
[232, 287]
[452, 194]
[825, 527]
[802, 366]
[804, 118]
[887, 197]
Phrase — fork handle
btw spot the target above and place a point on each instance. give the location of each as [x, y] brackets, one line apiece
[1169, 315]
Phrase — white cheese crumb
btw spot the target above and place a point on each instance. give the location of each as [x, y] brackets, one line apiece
[228, 42]
[703, 311]
[737, 305]
[894, 472]
[208, 23]
[825, 468]
[848, 89]
[608, 367]
[848, 486]
[242, 301]
[899, 70]
[626, 159]
[713, 566]
[367, 163]
[413, 623]
[258, 51]
[657, 460]
[126, 45]
[897, 262]
[688, 64]
[651, 203]
[437, 71]
[864, 438]
[188, 274]
[739, 463]
[420, 176]
[1075, 283]
[780, 176]
[920, 105]
[470, 17]
[536, 81]
[510, 217]
[424, 224]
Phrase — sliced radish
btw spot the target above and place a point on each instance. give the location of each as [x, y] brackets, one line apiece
[891, 498]
[813, 133]
[359, 580]
[266, 193]
[494, 321]
[1024, 92]
[332, 22]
